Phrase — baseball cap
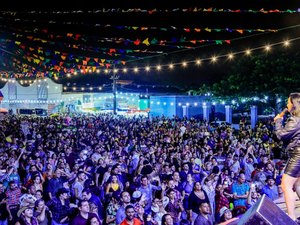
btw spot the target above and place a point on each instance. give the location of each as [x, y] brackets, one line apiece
[223, 210]
[136, 194]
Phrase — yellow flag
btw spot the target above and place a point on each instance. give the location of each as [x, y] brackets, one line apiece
[146, 42]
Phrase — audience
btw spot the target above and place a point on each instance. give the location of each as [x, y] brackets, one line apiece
[94, 169]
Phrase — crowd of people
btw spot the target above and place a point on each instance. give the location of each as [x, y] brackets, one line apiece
[109, 169]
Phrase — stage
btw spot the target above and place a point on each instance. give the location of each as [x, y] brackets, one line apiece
[281, 203]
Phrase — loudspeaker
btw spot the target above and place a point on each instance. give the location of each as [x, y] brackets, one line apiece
[265, 212]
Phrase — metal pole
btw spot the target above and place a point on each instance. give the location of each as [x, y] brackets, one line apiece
[114, 77]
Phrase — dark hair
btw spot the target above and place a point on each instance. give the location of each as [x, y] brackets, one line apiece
[205, 202]
[170, 190]
[129, 207]
[144, 176]
[79, 172]
[270, 177]
[215, 170]
[89, 221]
[39, 191]
[80, 202]
[114, 166]
[195, 184]
[61, 191]
[122, 192]
[163, 219]
[86, 190]
[184, 222]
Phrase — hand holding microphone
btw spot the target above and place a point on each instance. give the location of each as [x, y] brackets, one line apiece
[284, 111]
[281, 115]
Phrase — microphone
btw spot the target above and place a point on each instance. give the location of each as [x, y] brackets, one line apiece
[284, 111]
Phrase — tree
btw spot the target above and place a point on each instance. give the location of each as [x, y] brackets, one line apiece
[273, 75]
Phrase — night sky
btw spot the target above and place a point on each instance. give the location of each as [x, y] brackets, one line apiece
[175, 32]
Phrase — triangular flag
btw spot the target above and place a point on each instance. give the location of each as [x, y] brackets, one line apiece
[137, 42]
[146, 42]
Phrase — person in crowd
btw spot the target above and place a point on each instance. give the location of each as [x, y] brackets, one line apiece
[187, 190]
[60, 207]
[54, 184]
[39, 195]
[177, 182]
[38, 182]
[29, 197]
[290, 133]
[3, 210]
[117, 170]
[101, 170]
[259, 176]
[140, 213]
[204, 217]
[13, 195]
[271, 189]
[172, 185]
[48, 172]
[92, 198]
[78, 185]
[125, 201]
[93, 220]
[240, 190]
[167, 220]
[149, 220]
[253, 195]
[166, 173]
[147, 190]
[113, 185]
[210, 189]
[130, 218]
[248, 160]
[174, 207]
[134, 162]
[197, 196]
[25, 215]
[220, 200]
[83, 215]
[270, 169]
[158, 208]
[235, 167]
[184, 172]
[42, 213]
[226, 216]
[112, 208]
[13, 175]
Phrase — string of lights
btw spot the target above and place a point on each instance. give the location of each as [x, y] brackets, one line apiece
[170, 66]
[155, 11]
[198, 61]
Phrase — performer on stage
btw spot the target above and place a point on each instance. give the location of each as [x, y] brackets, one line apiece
[290, 133]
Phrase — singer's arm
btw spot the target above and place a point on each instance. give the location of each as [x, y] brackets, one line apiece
[278, 116]
[286, 132]
[281, 115]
